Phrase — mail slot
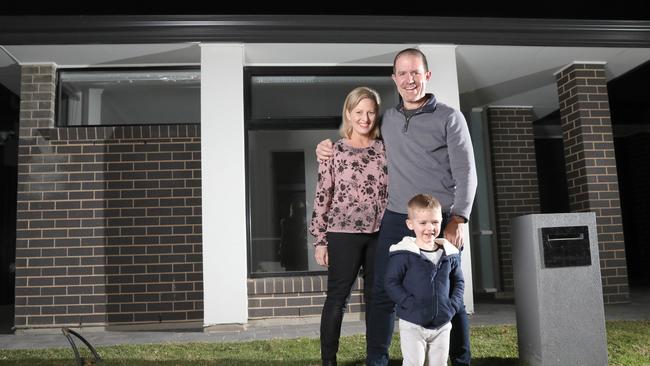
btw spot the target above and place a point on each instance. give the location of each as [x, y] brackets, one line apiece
[566, 246]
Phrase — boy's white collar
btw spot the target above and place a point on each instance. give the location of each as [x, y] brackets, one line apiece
[408, 243]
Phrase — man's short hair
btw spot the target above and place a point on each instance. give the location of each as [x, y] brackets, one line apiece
[412, 52]
[423, 201]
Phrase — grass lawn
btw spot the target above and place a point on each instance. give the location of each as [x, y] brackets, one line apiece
[628, 345]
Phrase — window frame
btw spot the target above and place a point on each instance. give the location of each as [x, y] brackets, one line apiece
[59, 86]
[316, 122]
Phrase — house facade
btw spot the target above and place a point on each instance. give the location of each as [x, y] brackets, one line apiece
[183, 220]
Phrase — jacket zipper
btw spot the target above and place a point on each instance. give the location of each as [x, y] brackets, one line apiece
[406, 123]
[435, 291]
[408, 119]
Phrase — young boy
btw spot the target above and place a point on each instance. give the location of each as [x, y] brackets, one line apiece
[424, 279]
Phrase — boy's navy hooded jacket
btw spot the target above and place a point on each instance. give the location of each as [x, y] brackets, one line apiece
[425, 293]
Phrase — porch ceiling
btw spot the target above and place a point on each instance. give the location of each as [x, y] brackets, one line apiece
[487, 75]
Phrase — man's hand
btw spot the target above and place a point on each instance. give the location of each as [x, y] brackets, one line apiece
[324, 150]
[454, 231]
[320, 254]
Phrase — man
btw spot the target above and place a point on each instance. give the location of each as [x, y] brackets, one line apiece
[429, 150]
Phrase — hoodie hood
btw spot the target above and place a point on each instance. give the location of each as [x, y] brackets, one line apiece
[408, 244]
[427, 294]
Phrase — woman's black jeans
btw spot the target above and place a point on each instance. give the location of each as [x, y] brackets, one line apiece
[347, 252]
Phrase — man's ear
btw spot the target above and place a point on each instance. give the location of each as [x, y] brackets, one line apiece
[409, 224]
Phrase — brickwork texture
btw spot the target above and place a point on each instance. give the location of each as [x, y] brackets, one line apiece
[514, 170]
[295, 296]
[108, 219]
[591, 167]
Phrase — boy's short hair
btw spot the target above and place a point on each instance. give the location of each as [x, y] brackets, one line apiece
[423, 201]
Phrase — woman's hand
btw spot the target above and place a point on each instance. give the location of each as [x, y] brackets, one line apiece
[324, 150]
[320, 254]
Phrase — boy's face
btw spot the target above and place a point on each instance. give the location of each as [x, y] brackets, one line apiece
[425, 223]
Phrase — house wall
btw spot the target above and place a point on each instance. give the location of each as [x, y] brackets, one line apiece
[108, 219]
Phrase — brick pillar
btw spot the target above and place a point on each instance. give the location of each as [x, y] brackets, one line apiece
[591, 167]
[33, 290]
[514, 170]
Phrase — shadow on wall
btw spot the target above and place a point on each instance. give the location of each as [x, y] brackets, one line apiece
[9, 113]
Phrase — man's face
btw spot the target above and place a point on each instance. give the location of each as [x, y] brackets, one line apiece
[410, 78]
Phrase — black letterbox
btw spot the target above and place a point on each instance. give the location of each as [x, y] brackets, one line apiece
[566, 246]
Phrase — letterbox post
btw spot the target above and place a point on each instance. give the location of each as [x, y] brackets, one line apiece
[558, 290]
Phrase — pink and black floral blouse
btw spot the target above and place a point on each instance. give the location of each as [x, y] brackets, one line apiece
[351, 193]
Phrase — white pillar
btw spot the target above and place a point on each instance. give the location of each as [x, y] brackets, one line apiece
[444, 77]
[223, 184]
[444, 85]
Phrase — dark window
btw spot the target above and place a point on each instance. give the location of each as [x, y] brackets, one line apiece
[128, 97]
[551, 167]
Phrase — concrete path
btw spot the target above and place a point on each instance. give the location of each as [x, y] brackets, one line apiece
[486, 313]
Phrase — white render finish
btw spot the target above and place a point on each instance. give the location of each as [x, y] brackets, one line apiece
[444, 85]
[223, 184]
[444, 75]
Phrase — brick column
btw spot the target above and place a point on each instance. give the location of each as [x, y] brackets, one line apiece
[514, 170]
[591, 167]
[35, 269]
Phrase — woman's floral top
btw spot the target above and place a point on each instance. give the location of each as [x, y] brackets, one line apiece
[351, 193]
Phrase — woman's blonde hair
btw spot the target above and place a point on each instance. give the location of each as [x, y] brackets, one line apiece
[351, 101]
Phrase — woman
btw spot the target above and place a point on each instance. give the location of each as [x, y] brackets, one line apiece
[350, 200]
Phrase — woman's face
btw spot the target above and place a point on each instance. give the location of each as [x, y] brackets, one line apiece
[363, 117]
